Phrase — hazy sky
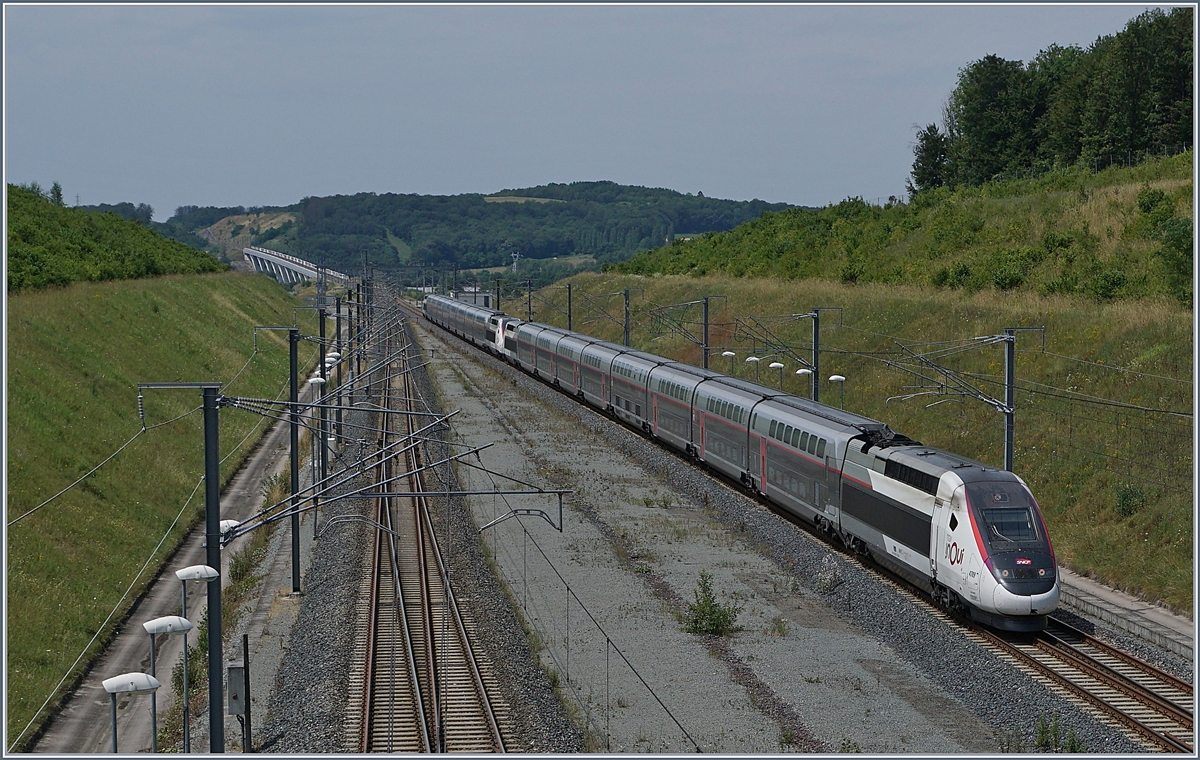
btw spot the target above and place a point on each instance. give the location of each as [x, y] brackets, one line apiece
[264, 105]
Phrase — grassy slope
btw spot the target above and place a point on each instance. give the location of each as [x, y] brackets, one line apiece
[1070, 232]
[76, 355]
[52, 245]
[1081, 460]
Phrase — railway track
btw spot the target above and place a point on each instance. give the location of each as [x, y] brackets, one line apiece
[1151, 705]
[423, 689]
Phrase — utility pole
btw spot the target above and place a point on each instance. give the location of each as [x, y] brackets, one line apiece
[704, 348]
[569, 328]
[497, 307]
[212, 530]
[321, 410]
[626, 316]
[337, 342]
[212, 544]
[529, 300]
[323, 433]
[294, 400]
[816, 340]
[1010, 395]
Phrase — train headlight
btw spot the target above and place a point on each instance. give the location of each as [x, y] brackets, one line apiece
[1041, 571]
[1004, 573]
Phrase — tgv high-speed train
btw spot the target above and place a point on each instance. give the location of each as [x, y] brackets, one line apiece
[971, 535]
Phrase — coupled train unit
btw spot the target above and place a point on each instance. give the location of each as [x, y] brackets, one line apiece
[970, 535]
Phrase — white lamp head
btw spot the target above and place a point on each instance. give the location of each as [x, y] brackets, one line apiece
[196, 573]
[131, 683]
[168, 624]
[837, 379]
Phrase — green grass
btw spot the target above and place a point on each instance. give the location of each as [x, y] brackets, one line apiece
[1115, 484]
[76, 355]
[1071, 232]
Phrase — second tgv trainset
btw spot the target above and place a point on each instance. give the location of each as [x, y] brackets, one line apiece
[971, 535]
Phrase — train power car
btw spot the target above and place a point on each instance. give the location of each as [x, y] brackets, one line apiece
[970, 535]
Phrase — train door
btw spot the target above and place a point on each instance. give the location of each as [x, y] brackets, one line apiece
[942, 541]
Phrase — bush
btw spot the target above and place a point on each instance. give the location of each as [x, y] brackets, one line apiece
[708, 617]
[1130, 500]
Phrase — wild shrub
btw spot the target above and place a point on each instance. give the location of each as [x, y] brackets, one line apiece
[1130, 500]
[708, 617]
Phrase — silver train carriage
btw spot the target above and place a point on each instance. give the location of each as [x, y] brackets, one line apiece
[969, 534]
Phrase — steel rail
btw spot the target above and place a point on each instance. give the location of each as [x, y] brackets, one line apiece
[1021, 652]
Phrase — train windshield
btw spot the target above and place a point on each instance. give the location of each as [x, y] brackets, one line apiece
[1008, 516]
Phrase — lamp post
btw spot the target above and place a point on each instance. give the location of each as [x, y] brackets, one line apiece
[166, 624]
[336, 359]
[127, 683]
[755, 360]
[805, 371]
[778, 366]
[730, 355]
[193, 573]
[840, 380]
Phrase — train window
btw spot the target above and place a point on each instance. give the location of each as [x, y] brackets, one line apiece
[754, 420]
[812, 445]
[787, 434]
[773, 424]
[803, 441]
[821, 447]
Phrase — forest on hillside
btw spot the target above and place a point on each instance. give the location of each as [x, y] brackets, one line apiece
[602, 219]
[1129, 94]
[51, 244]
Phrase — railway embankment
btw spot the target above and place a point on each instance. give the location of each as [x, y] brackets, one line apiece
[78, 561]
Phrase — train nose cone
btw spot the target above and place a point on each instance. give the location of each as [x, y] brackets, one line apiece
[1008, 603]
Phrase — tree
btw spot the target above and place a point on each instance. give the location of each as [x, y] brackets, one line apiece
[989, 121]
[56, 196]
[929, 162]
